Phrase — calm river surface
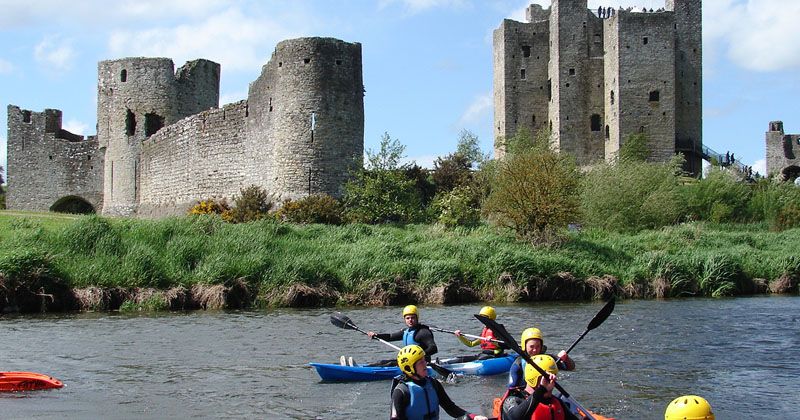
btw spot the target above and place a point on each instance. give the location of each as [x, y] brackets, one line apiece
[741, 354]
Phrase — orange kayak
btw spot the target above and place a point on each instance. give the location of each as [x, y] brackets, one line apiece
[27, 381]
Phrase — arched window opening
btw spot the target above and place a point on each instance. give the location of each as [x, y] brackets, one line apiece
[123, 76]
[608, 132]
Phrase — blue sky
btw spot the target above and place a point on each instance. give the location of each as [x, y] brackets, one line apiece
[427, 63]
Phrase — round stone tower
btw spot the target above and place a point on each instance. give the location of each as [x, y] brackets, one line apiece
[306, 117]
[135, 98]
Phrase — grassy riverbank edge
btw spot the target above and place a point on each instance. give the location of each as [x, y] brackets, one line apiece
[56, 263]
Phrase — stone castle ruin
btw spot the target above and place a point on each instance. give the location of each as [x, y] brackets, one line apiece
[783, 152]
[163, 143]
[595, 79]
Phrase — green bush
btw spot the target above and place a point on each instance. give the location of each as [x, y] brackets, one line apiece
[381, 192]
[458, 207]
[722, 196]
[451, 172]
[777, 202]
[317, 208]
[252, 203]
[631, 196]
[534, 192]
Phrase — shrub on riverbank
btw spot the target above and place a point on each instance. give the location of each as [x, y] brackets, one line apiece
[209, 264]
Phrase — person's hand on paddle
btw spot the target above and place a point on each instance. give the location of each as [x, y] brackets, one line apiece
[548, 382]
[371, 334]
[457, 333]
[480, 418]
[562, 355]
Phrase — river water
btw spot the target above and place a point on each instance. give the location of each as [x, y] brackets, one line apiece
[740, 353]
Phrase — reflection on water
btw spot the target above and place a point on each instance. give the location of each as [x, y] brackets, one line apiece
[738, 353]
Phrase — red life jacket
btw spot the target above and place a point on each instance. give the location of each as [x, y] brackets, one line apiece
[552, 411]
[486, 344]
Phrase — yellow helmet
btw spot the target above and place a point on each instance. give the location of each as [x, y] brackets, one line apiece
[408, 357]
[689, 407]
[529, 334]
[547, 363]
[488, 312]
[410, 310]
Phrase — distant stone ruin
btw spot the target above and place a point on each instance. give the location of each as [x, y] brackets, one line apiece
[783, 153]
[163, 143]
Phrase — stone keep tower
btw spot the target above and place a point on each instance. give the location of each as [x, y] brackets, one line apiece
[306, 117]
[596, 80]
[783, 152]
[135, 98]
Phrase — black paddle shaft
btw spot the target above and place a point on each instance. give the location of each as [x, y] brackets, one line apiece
[596, 321]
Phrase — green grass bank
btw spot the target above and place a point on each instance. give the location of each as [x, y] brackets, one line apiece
[53, 262]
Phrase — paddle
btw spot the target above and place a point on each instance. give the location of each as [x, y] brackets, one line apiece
[342, 321]
[596, 321]
[465, 335]
[501, 332]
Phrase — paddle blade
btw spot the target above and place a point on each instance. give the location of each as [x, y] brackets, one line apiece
[342, 321]
[602, 315]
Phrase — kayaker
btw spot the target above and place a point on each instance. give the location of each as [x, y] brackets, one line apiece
[489, 349]
[536, 400]
[532, 342]
[689, 407]
[414, 333]
[415, 395]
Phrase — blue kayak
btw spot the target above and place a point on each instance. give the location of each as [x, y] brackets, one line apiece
[338, 373]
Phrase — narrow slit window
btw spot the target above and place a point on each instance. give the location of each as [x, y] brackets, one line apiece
[595, 122]
[645, 40]
[522, 74]
[612, 97]
[526, 51]
[123, 76]
[130, 123]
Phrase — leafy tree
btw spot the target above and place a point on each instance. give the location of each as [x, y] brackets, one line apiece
[451, 171]
[423, 182]
[635, 149]
[535, 189]
[469, 148]
[458, 207]
[381, 192]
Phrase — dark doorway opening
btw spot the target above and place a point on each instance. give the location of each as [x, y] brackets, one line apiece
[72, 204]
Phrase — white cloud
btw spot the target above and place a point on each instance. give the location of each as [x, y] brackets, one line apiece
[5, 66]
[54, 53]
[236, 41]
[760, 166]
[479, 109]
[75, 127]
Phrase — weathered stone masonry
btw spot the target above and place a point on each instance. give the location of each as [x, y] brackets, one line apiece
[594, 81]
[783, 152]
[166, 145]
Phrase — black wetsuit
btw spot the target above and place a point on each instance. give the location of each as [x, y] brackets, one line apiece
[423, 336]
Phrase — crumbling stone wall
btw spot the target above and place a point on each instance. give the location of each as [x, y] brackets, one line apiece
[50, 167]
[135, 98]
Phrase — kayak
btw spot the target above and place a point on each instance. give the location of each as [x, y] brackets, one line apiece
[338, 373]
[27, 381]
